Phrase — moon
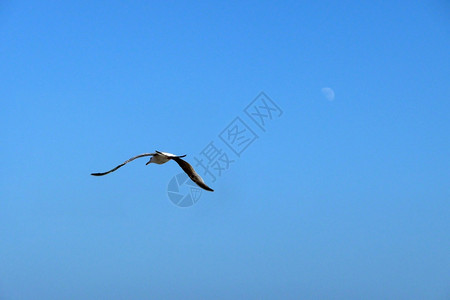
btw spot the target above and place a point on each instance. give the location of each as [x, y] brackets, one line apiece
[328, 93]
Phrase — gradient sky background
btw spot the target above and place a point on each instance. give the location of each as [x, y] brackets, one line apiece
[341, 199]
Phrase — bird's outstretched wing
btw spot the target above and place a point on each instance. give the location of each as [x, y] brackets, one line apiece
[131, 159]
[192, 174]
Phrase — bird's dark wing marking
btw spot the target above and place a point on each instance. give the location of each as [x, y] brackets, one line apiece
[189, 170]
[131, 159]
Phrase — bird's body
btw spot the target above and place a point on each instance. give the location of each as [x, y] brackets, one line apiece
[161, 158]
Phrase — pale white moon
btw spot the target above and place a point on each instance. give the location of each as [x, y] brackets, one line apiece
[328, 93]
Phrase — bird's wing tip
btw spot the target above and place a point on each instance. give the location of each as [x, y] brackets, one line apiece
[207, 188]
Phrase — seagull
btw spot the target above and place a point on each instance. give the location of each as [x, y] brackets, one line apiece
[161, 158]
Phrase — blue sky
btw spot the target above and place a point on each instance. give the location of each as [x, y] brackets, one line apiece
[338, 199]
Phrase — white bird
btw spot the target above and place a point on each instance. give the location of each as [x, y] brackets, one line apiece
[161, 158]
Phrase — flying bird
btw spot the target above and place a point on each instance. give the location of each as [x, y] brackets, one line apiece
[161, 158]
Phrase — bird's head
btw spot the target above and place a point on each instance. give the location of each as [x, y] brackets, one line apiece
[151, 158]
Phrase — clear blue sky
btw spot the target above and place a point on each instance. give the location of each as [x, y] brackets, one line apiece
[339, 199]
